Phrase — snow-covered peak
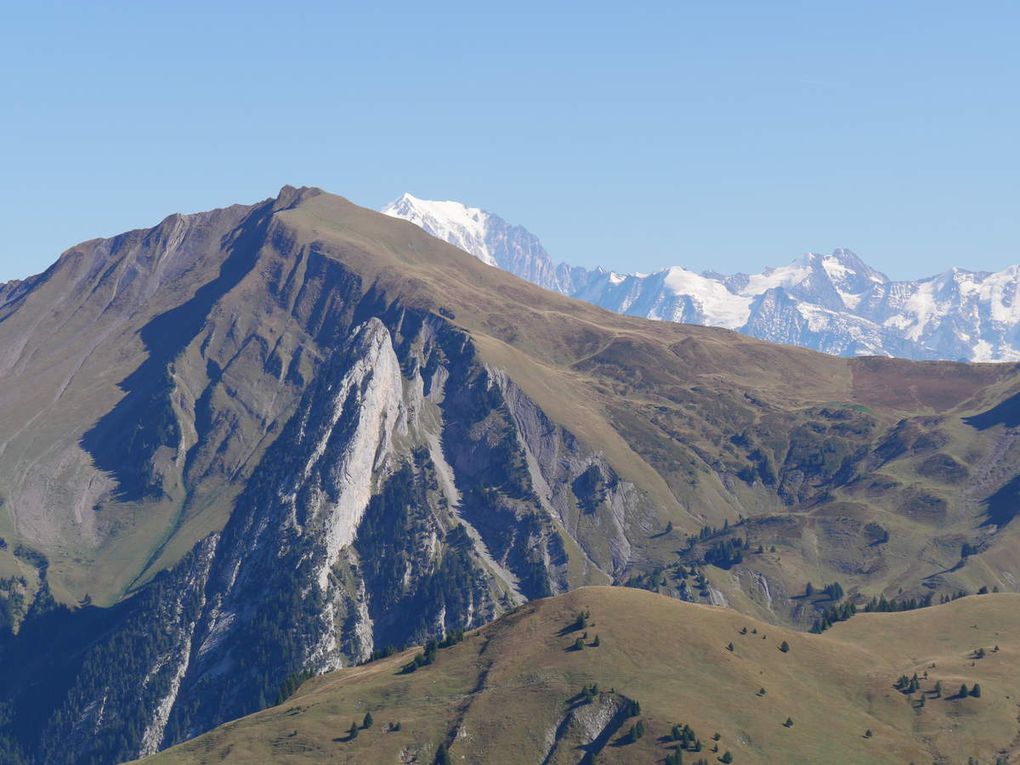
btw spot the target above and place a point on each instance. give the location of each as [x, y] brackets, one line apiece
[834, 303]
[717, 304]
[462, 226]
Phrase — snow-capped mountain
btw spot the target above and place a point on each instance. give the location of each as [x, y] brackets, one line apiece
[489, 238]
[832, 303]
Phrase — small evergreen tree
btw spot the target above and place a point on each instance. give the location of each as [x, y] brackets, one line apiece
[976, 691]
[352, 732]
[637, 730]
[784, 647]
[789, 722]
[368, 721]
[963, 691]
[596, 642]
[729, 647]
[727, 757]
[442, 756]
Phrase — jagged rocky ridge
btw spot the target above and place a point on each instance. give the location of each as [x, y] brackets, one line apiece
[835, 304]
[268, 448]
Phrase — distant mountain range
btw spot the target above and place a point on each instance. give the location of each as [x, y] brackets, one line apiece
[836, 303]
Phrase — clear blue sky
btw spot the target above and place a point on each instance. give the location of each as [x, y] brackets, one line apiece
[726, 135]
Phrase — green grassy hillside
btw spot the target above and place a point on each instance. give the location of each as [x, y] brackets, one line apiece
[513, 692]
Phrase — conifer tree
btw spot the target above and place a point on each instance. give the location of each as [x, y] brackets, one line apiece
[352, 732]
[368, 721]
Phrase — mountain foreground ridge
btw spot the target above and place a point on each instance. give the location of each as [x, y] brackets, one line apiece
[519, 691]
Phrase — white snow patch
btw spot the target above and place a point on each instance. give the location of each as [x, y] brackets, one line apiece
[462, 226]
[718, 306]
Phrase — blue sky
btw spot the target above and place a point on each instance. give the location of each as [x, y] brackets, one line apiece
[723, 135]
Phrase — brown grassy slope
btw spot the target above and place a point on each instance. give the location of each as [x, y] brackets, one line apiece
[577, 360]
[422, 270]
[500, 695]
[684, 411]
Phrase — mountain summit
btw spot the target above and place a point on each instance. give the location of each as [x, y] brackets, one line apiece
[832, 303]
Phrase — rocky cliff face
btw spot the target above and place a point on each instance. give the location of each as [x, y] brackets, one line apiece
[410, 490]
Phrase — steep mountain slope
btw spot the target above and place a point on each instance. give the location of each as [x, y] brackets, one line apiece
[835, 304]
[514, 692]
[280, 438]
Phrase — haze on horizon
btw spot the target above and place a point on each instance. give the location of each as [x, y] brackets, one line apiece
[726, 136]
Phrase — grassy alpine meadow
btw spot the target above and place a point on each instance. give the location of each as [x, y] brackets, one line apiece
[578, 675]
